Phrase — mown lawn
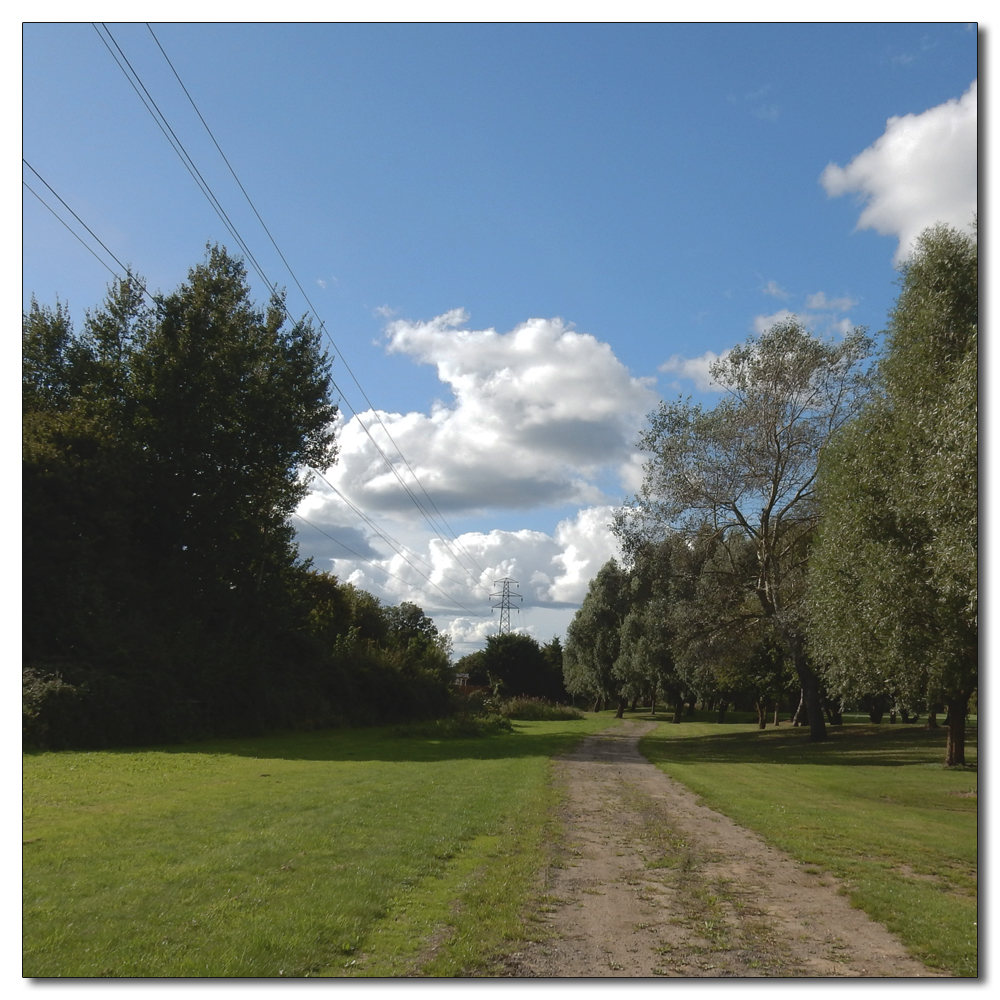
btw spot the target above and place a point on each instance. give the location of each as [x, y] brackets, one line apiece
[348, 852]
[874, 806]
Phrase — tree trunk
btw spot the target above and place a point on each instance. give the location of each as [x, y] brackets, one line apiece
[932, 722]
[958, 708]
[801, 710]
[722, 711]
[635, 702]
[620, 714]
[678, 711]
[761, 714]
[777, 712]
[691, 708]
[810, 686]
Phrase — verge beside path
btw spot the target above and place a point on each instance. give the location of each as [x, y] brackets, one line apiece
[650, 883]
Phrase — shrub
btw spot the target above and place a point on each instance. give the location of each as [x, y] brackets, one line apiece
[457, 727]
[537, 710]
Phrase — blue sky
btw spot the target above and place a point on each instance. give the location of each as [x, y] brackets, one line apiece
[520, 237]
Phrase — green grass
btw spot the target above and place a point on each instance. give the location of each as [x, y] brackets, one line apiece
[349, 852]
[874, 806]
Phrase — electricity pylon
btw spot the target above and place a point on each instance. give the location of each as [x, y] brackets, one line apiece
[505, 597]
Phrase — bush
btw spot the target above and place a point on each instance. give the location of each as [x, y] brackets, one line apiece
[457, 727]
[537, 710]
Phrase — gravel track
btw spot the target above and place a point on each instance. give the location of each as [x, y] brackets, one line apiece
[647, 882]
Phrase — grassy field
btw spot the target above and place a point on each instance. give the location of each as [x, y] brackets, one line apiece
[350, 852]
[874, 806]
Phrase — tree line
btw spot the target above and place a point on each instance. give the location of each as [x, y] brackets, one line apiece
[816, 530]
[165, 446]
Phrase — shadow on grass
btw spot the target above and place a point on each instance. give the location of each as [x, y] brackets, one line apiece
[852, 744]
[379, 743]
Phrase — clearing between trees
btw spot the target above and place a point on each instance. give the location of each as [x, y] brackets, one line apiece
[650, 883]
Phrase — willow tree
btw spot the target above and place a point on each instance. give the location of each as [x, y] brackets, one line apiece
[748, 467]
[894, 571]
[593, 639]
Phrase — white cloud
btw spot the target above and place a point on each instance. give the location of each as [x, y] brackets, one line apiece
[820, 301]
[773, 288]
[920, 171]
[764, 323]
[696, 370]
[454, 581]
[538, 416]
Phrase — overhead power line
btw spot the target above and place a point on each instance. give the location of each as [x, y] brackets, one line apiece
[305, 295]
[153, 109]
[447, 530]
[382, 569]
[91, 250]
[382, 533]
[393, 543]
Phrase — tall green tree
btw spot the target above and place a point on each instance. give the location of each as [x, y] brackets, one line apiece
[165, 446]
[748, 466]
[646, 664]
[524, 667]
[893, 574]
[593, 638]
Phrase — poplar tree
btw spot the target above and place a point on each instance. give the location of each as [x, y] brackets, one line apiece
[894, 595]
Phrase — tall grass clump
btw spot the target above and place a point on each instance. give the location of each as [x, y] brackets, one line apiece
[537, 710]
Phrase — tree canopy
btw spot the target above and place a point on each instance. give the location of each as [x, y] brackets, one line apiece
[893, 574]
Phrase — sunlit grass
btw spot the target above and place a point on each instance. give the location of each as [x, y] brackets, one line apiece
[337, 853]
[874, 806]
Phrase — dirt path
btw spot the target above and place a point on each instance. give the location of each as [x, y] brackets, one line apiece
[649, 883]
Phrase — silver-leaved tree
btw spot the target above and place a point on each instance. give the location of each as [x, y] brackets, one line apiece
[747, 467]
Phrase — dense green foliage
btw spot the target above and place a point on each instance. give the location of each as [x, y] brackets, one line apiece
[514, 664]
[593, 639]
[347, 852]
[873, 807]
[680, 624]
[165, 447]
[894, 572]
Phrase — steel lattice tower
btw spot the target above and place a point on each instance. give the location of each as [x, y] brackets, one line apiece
[505, 598]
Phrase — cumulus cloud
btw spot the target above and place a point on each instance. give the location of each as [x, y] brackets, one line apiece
[536, 417]
[920, 171]
[453, 581]
[820, 301]
[773, 288]
[696, 370]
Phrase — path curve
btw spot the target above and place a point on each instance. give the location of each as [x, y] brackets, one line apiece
[648, 882]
